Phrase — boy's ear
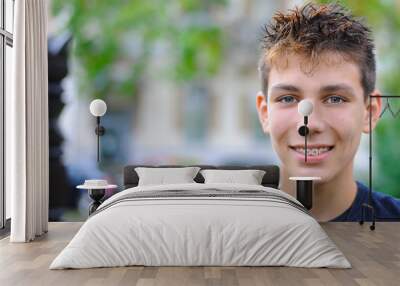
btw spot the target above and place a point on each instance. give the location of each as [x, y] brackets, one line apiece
[376, 108]
[262, 109]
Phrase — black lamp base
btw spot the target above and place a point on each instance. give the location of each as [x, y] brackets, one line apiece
[304, 193]
[96, 195]
[304, 190]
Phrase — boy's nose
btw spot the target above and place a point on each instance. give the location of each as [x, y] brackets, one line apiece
[316, 123]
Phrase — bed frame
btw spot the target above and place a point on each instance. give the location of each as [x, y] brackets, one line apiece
[270, 179]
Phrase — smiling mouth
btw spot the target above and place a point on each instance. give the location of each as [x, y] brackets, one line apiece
[312, 151]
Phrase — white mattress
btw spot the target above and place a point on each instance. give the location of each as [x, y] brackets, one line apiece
[183, 231]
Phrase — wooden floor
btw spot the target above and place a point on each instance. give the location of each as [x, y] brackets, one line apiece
[374, 255]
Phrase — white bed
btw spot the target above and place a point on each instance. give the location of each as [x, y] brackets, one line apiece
[250, 225]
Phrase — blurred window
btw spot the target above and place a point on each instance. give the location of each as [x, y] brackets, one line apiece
[196, 113]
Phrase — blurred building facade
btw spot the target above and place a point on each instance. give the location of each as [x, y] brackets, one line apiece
[212, 121]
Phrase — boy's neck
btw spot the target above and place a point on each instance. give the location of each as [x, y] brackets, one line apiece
[331, 198]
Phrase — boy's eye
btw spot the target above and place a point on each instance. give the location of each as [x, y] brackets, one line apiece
[287, 99]
[334, 99]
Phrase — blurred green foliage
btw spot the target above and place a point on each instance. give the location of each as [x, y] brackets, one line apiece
[383, 17]
[115, 41]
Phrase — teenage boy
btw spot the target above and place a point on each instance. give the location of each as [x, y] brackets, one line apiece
[323, 54]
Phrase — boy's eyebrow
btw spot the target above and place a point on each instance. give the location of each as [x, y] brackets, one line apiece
[286, 87]
[324, 89]
[336, 87]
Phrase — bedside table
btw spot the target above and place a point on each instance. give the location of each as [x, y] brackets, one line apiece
[96, 190]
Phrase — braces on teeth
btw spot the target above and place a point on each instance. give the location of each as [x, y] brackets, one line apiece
[313, 152]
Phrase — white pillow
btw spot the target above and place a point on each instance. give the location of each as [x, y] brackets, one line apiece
[248, 177]
[162, 176]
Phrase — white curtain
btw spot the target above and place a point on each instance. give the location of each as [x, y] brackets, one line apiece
[27, 124]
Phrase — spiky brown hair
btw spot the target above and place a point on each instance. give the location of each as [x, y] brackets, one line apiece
[314, 29]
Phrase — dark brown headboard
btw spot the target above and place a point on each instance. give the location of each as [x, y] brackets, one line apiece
[270, 179]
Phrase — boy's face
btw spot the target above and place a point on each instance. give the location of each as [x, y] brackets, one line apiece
[339, 117]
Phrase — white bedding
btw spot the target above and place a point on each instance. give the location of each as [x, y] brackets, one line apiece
[182, 231]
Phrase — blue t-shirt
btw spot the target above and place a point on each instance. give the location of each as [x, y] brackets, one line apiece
[386, 207]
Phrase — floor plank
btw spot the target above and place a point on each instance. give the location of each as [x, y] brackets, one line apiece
[374, 255]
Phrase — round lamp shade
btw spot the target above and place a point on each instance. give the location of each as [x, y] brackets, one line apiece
[305, 107]
[98, 107]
